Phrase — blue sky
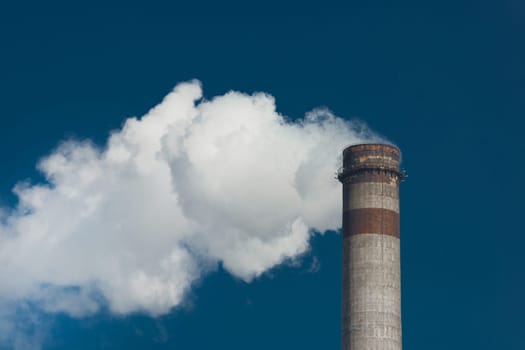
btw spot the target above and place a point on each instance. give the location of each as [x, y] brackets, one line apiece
[444, 81]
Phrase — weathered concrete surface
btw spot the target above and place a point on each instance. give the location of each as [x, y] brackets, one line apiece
[371, 195]
[371, 293]
[371, 305]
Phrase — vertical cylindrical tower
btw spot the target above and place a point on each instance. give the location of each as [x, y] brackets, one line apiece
[371, 305]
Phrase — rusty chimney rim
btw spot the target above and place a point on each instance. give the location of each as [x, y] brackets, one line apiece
[370, 157]
[372, 146]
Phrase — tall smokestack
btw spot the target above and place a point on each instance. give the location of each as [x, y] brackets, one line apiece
[371, 305]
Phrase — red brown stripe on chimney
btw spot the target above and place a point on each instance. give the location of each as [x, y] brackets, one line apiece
[370, 220]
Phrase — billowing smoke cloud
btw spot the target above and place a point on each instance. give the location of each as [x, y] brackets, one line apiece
[193, 183]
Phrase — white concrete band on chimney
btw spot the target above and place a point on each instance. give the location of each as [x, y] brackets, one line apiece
[373, 305]
[363, 195]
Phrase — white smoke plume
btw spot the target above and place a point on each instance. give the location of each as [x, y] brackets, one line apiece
[193, 183]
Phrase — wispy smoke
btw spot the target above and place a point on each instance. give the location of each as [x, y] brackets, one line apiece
[132, 225]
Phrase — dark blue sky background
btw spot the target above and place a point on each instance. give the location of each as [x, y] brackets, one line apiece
[444, 80]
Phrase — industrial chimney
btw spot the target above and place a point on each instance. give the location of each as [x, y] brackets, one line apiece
[371, 305]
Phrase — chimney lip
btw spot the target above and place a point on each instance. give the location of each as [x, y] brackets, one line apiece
[370, 157]
[372, 145]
